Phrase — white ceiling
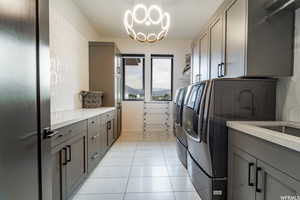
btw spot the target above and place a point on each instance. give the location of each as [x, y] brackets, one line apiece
[187, 16]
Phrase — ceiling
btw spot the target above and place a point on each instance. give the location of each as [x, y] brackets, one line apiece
[187, 16]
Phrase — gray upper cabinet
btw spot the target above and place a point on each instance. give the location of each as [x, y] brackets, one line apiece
[256, 47]
[105, 73]
[245, 43]
[235, 39]
[204, 57]
[103, 67]
[195, 63]
[216, 48]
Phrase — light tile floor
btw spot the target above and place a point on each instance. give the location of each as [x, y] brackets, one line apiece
[139, 168]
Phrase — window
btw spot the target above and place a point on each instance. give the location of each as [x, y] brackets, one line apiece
[133, 72]
[161, 77]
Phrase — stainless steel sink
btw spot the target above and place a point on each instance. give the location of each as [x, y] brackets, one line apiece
[289, 130]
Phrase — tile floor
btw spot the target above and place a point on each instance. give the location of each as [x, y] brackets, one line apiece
[139, 168]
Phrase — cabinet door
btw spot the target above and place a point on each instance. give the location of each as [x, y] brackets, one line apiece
[242, 175]
[76, 167]
[216, 48]
[204, 58]
[103, 137]
[273, 184]
[58, 174]
[235, 39]
[195, 63]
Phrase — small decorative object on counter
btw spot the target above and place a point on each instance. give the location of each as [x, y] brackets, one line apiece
[91, 99]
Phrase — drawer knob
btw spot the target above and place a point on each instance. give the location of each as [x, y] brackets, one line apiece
[96, 155]
[95, 137]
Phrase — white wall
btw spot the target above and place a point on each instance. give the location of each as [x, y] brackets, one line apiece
[133, 111]
[288, 91]
[70, 33]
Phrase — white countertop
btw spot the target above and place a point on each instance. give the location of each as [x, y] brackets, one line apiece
[253, 129]
[65, 118]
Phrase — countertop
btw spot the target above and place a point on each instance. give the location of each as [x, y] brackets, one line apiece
[253, 129]
[68, 117]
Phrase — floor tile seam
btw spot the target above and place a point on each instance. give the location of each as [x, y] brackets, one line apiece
[128, 178]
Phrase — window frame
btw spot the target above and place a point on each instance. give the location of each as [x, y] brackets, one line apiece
[124, 56]
[166, 56]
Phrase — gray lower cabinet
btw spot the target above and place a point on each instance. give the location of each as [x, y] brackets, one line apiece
[76, 168]
[103, 136]
[69, 159]
[94, 142]
[242, 170]
[58, 174]
[77, 150]
[258, 170]
[273, 184]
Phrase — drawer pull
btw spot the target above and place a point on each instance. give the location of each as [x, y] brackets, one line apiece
[59, 136]
[49, 133]
[95, 156]
[249, 174]
[65, 162]
[70, 153]
[95, 137]
[258, 169]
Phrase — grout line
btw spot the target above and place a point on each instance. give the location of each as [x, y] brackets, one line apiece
[129, 175]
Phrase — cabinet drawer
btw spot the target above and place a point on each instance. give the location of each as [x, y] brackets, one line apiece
[102, 119]
[110, 116]
[94, 160]
[93, 126]
[94, 143]
[68, 132]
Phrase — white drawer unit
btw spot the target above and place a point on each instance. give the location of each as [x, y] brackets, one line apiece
[157, 118]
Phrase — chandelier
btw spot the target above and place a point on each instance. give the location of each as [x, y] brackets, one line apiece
[151, 17]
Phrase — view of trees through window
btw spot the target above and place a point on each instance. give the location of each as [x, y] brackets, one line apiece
[133, 78]
[162, 72]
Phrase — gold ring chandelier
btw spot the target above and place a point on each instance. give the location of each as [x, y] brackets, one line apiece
[131, 19]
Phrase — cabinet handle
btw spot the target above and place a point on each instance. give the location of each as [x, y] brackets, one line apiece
[109, 125]
[70, 153]
[258, 169]
[95, 137]
[65, 156]
[96, 155]
[48, 133]
[249, 174]
[219, 70]
[222, 69]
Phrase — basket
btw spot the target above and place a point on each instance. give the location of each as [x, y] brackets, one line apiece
[91, 99]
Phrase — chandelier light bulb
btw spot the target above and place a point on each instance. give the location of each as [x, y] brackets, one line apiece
[151, 16]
